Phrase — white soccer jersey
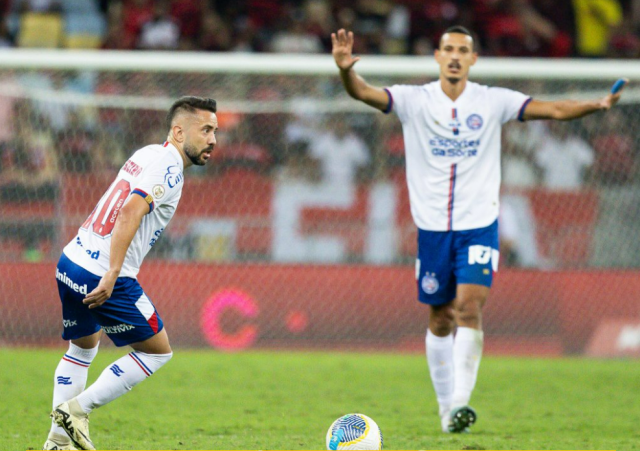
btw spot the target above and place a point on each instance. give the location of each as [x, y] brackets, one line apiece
[453, 151]
[153, 172]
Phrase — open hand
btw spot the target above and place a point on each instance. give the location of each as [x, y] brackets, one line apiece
[342, 47]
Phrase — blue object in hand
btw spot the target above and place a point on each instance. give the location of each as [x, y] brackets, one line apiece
[617, 86]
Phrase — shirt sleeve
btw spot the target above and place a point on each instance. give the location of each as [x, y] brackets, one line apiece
[400, 100]
[160, 183]
[509, 104]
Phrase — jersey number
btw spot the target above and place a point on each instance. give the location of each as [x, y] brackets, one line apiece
[112, 201]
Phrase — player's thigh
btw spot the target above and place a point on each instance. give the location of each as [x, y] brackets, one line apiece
[476, 255]
[435, 268]
[128, 316]
[74, 282]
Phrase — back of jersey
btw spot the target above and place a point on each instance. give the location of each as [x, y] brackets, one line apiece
[153, 172]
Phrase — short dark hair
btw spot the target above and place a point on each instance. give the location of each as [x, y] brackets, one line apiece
[460, 30]
[190, 104]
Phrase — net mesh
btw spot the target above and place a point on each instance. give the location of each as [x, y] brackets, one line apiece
[298, 232]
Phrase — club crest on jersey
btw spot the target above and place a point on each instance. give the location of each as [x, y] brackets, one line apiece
[429, 283]
[474, 122]
[158, 191]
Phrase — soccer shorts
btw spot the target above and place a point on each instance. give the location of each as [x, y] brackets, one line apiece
[128, 316]
[446, 259]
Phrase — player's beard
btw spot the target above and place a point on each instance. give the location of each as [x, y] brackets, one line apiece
[195, 155]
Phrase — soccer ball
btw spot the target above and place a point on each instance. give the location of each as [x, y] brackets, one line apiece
[354, 431]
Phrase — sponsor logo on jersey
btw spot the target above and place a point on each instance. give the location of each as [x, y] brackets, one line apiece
[69, 323]
[94, 255]
[132, 168]
[474, 122]
[445, 147]
[62, 277]
[429, 283]
[118, 328]
[158, 191]
[173, 176]
[156, 236]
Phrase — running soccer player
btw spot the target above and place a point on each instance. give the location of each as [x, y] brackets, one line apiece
[97, 271]
[451, 133]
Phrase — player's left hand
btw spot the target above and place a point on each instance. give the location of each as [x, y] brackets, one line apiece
[610, 100]
[102, 292]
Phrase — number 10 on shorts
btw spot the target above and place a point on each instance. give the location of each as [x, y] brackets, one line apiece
[481, 255]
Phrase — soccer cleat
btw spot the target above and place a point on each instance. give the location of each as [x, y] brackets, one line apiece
[70, 417]
[58, 442]
[461, 418]
[444, 420]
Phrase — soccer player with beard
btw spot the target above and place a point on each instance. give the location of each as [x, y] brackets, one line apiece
[97, 271]
[451, 131]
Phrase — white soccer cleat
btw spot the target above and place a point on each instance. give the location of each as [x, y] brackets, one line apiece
[444, 421]
[70, 417]
[58, 442]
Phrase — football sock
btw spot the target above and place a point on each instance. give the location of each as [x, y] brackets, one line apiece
[440, 361]
[71, 377]
[467, 352]
[120, 377]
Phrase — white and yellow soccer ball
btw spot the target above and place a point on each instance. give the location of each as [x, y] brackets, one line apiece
[354, 431]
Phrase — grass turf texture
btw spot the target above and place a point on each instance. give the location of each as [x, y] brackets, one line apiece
[287, 400]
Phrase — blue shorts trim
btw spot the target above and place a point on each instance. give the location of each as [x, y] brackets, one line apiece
[127, 317]
[447, 259]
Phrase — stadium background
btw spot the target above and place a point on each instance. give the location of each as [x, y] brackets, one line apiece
[298, 233]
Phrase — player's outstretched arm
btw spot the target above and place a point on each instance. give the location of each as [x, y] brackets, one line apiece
[127, 224]
[565, 110]
[355, 85]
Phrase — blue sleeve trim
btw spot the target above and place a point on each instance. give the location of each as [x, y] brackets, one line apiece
[146, 197]
[522, 108]
[389, 107]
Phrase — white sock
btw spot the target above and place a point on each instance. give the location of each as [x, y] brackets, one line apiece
[440, 361]
[120, 377]
[71, 377]
[467, 352]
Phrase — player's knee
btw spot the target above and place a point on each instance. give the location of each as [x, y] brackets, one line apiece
[469, 310]
[441, 321]
[154, 361]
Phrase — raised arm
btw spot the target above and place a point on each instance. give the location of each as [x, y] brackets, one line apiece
[565, 110]
[354, 84]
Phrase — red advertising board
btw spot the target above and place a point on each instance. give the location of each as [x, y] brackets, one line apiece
[233, 307]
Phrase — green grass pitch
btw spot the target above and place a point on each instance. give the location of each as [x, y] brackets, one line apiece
[287, 400]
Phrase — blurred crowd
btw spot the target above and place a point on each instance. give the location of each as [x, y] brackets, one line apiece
[49, 130]
[543, 28]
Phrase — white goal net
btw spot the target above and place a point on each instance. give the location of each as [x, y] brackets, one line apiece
[298, 231]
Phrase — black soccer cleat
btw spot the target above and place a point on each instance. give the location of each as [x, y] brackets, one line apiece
[461, 418]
